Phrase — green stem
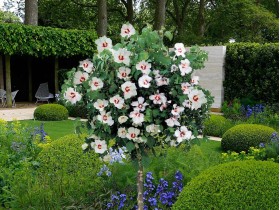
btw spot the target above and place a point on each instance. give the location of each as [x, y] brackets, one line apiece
[140, 181]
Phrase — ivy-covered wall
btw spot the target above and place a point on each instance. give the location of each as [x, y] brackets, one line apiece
[18, 39]
[252, 70]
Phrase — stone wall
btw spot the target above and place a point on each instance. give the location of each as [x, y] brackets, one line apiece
[212, 76]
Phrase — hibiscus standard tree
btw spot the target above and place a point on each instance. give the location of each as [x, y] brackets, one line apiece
[139, 94]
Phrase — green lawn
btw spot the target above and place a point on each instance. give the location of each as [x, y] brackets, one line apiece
[54, 129]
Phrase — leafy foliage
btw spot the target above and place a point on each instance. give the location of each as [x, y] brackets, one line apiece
[256, 65]
[51, 112]
[45, 41]
[242, 137]
[236, 185]
[216, 125]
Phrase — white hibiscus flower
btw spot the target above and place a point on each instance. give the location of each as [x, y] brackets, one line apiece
[80, 77]
[158, 98]
[139, 104]
[127, 30]
[180, 49]
[144, 81]
[132, 133]
[72, 95]
[105, 117]
[122, 132]
[187, 104]
[117, 101]
[177, 110]
[123, 73]
[184, 67]
[197, 98]
[137, 117]
[121, 56]
[144, 66]
[183, 134]
[122, 119]
[87, 65]
[96, 83]
[129, 89]
[84, 146]
[186, 88]
[153, 129]
[162, 81]
[174, 68]
[100, 146]
[103, 43]
[100, 104]
[172, 121]
[195, 80]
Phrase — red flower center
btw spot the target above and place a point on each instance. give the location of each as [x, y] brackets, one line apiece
[124, 74]
[195, 98]
[179, 50]
[182, 134]
[99, 146]
[121, 57]
[127, 89]
[116, 101]
[82, 79]
[143, 67]
[85, 65]
[140, 106]
[127, 31]
[72, 95]
[157, 97]
[104, 44]
[105, 117]
[133, 135]
[96, 84]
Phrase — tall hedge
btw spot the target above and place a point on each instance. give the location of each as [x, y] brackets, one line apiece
[45, 41]
[251, 69]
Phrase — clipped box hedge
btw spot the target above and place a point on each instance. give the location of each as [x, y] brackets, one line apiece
[252, 69]
[236, 185]
[216, 125]
[51, 112]
[18, 39]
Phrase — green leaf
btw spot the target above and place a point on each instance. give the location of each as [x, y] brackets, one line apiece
[146, 161]
[168, 35]
[143, 56]
[130, 146]
[150, 142]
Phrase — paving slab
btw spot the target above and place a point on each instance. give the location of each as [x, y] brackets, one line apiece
[17, 114]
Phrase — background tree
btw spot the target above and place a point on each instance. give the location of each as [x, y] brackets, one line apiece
[159, 14]
[31, 12]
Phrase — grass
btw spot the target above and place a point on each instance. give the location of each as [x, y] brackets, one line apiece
[54, 129]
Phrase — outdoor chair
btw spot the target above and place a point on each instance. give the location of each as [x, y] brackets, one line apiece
[14, 93]
[43, 93]
[2, 96]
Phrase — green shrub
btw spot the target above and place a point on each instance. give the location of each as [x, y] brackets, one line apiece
[246, 185]
[51, 112]
[252, 69]
[66, 177]
[242, 137]
[216, 125]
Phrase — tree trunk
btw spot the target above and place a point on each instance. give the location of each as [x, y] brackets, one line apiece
[56, 67]
[1, 73]
[140, 180]
[102, 17]
[31, 12]
[30, 91]
[160, 14]
[129, 9]
[8, 81]
[201, 19]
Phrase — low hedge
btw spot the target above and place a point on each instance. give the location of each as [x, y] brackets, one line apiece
[242, 137]
[51, 112]
[246, 185]
[216, 125]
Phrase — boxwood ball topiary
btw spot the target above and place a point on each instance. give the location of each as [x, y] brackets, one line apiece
[244, 185]
[51, 112]
[242, 137]
[216, 125]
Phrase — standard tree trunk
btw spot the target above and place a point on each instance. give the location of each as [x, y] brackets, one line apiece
[56, 67]
[8, 81]
[102, 18]
[201, 19]
[140, 180]
[31, 12]
[130, 11]
[160, 14]
[30, 89]
[1, 73]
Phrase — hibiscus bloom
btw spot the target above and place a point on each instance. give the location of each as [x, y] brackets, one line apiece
[184, 67]
[129, 89]
[139, 104]
[144, 81]
[121, 56]
[195, 80]
[186, 88]
[103, 43]
[144, 66]
[123, 73]
[100, 146]
[137, 117]
[162, 81]
[153, 129]
[187, 104]
[96, 83]
[174, 68]
[158, 98]
[127, 30]
[122, 132]
[183, 134]
[80, 77]
[172, 121]
[122, 119]
[177, 110]
[105, 117]
[180, 49]
[72, 95]
[117, 101]
[100, 104]
[87, 65]
[132, 133]
[197, 98]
